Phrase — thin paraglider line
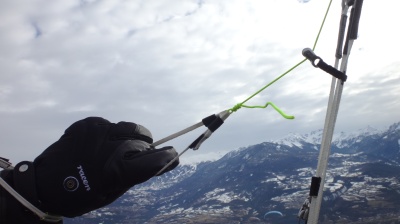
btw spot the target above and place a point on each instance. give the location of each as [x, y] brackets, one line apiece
[238, 106]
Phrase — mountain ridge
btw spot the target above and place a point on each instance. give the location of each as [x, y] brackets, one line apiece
[362, 185]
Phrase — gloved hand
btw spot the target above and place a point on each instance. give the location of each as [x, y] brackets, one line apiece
[94, 163]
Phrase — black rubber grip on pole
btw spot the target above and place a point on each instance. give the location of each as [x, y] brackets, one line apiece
[346, 45]
[356, 19]
[350, 2]
[342, 29]
[315, 185]
[352, 32]
[319, 63]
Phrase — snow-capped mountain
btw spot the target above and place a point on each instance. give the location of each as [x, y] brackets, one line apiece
[340, 139]
[362, 184]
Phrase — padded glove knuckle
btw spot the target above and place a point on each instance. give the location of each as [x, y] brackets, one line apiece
[128, 130]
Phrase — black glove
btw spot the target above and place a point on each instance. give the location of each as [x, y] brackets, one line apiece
[94, 163]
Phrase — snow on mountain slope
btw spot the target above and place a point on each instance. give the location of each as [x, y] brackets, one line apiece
[168, 179]
[340, 139]
[295, 139]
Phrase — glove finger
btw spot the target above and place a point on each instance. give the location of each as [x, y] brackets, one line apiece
[130, 131]
[168, 154]
[133, 164]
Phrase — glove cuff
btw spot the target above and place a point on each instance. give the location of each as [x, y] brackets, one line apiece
[15, 199]
[24, 182]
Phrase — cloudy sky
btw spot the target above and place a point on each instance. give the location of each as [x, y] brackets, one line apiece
[168, 64]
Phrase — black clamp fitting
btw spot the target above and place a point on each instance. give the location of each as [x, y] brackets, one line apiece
[319, 63]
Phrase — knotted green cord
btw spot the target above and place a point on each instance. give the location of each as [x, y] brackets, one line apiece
[240, 105]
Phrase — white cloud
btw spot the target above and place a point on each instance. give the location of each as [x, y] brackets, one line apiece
[167, 66]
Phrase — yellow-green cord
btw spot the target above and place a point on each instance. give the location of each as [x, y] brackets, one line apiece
[240, 105]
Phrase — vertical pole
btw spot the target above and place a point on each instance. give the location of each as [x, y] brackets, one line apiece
[334, 102]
